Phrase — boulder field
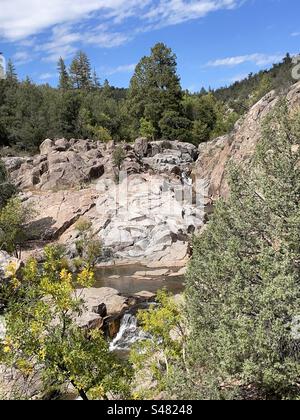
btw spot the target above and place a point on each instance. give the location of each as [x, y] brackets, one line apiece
[148, 216]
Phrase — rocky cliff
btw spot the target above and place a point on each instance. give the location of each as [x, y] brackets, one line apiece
[239, 145]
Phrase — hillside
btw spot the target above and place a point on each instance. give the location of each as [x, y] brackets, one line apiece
[279, 78]
[152, 107]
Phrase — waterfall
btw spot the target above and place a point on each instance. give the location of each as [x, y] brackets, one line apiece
[2, 327]
[128, 334]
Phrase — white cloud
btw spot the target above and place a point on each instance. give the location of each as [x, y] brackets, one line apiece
[106, 39]
[20, 19]
[172, 12]
[67, 25]
[22, 57]
[62, 43]
[126, 68]
[238, 77]
[46, 76]
[294, 34]
[258, 59]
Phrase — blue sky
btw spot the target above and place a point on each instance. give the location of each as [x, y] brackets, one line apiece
[216, 41]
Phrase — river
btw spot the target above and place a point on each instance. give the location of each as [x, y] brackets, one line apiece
[123, 279]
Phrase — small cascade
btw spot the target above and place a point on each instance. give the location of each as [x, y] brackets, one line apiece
[186, 180]
[2, 328]
[128, 334]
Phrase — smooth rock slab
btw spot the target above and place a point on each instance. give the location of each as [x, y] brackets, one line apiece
[93, 297]
[155, 273]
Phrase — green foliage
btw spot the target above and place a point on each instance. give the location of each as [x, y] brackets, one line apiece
[88, 247]
[101, 133]
[175, 127]
[82, 108]
[43, 340]
[155, 88]
[146, 129]
[64, 78]
[13, 217]
[201, 132]
[165, 345]
[211, 118]
[29, 113]
[243, 282]
[7, 190]
[237, 96]
[118, 156]
[264, 87]
[80, 72]
[11, 74]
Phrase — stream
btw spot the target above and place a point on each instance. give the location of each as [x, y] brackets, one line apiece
[124, 279]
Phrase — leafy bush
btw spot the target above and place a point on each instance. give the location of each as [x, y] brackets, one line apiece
[119, 156]
[165, 346]
[243, 281]
[13, 218]
[7, 189]
[43, 341]
[175, 127]
[88, 247]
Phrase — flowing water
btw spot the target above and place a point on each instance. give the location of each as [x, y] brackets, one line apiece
[128, 335]
[2, 327]
[124, 280]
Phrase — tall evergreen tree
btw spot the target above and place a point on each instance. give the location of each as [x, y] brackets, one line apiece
[80, 71]
[155, 87]
[11, 74]
[96, 80]
[64, 78]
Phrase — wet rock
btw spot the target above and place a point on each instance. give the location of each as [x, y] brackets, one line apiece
[145, 296]
[112, 326]
[155, 273]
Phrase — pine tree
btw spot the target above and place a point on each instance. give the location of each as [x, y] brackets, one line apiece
[243, 281]
[80, 71]
[64, 78]
[11, 74]
[106, 89]
[155, 87]
[96, 80]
